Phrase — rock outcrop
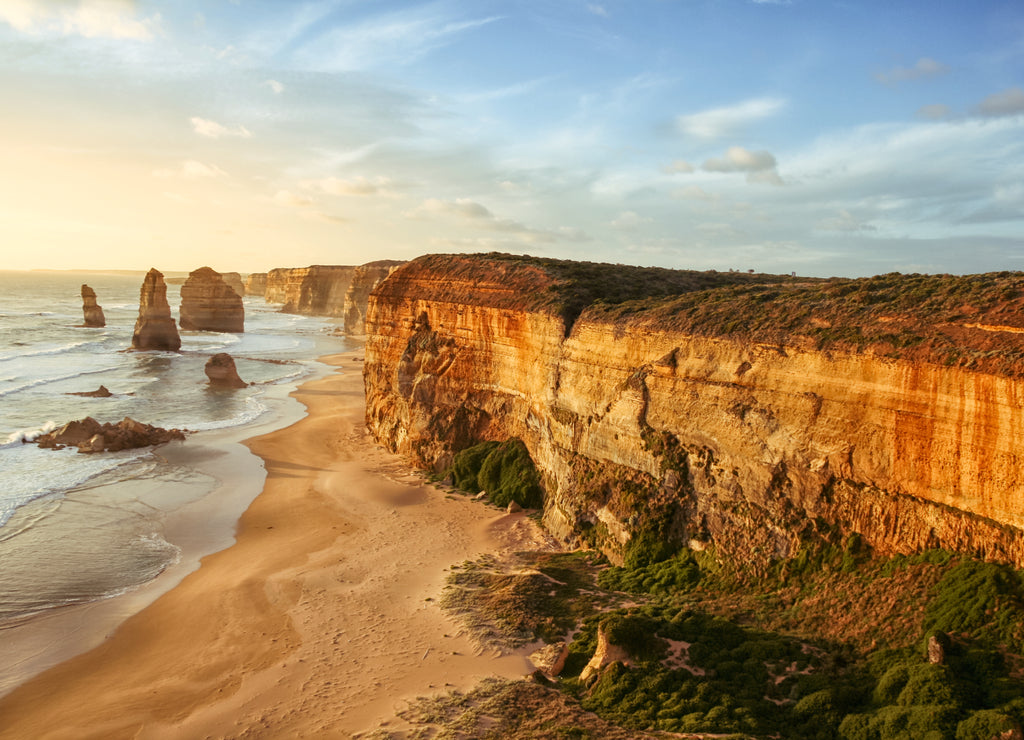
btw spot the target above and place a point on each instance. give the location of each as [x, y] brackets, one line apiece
[234, 281]
[210, 304]
[89, 435]
[748, 417]
[155, 329]
[256, 284]
[221, 371]
[94, 317]
[101, 392]
[328, 290]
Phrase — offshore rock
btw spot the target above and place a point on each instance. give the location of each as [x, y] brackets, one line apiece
[93, 311]
[155, 329]
[748, 443]
[234, 281]
[256, 284]
[221, 371]
[101, 392]
[210, 304]
[89, 435]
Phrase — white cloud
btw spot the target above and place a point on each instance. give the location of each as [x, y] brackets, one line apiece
[473, 214]
[355, 186]
[679, 166]
[717, 122]
[190, 169]
[630, 221]
[215, 130]
[277, 87]
[598, 10]
[693, 192]
[1009, 102]
[759, 166]
[89, 18]
[924, 67]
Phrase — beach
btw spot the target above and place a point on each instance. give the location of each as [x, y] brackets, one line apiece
[321, 620]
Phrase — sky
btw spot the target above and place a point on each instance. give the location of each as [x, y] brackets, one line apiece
[847, 138]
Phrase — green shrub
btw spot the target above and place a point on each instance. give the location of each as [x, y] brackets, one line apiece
[984, 600]
[503, 469]
[985, 725]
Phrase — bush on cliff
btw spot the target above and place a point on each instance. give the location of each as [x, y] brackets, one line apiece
[503, 469]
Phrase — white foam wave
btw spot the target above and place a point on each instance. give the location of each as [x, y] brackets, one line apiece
[44, 381]
[47, 350]
[254, 408]
[28, 435]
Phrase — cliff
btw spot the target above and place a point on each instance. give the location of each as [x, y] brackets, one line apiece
[94, 317]
[328, 290]
[746, 412]
[234, 281]
[155, 329]
[256, 284]
[208, 303]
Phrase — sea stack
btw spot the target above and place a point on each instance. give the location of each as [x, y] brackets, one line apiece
[210, 304]
[220, 369]
[234, 281]
[155, 329]
[93, 311]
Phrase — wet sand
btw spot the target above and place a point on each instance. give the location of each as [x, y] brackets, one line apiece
[320, 621]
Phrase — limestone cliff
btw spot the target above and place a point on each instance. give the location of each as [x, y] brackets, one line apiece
[155, 329]
[93, 311]
[256, 284]
[208, 303]
[234, 281]
[328, 290]
[748, 412]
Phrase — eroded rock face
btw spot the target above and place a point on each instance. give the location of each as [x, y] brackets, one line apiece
[741, 445]
[93, 311]
[234, 281]
[328, 290]
[221, 371]
[89, 435]
[256, 284]
[210, 304]
[155, 329]
[605, 654]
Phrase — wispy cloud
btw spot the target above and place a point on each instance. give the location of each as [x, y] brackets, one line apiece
[473, 214]
[679, 166]
[288, 199]
[924, 67]
[190, 169]
[115, 19]
[1009, 102]
[717, 122]
[598, 9]
[353, 186]
[277, 87]
[215, 130]
[934, 112]
[844, 221]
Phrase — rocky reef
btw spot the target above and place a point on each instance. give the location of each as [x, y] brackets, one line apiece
[208, 303]
[94, 317]
[89, 435]
[748, 413]
[155, 329]
[328, 290]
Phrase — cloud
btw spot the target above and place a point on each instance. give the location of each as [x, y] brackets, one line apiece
[474, 214]
[717, 122]
[214, 130]
[276, 86]
[679, 166]
[1009, 102]
[935, 112]
[190, 169]
[844, 221]
[759, 166]
[693, 192]
[355, 186]
[923, 68]
[598, 10]
[89, 18]
[629, 221]
[288, 199]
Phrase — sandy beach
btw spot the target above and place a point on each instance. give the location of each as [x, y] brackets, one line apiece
[320, 621]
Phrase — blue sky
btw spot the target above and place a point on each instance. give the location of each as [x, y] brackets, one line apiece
[825, 138]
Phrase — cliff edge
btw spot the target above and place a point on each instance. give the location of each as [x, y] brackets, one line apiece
[743, 412]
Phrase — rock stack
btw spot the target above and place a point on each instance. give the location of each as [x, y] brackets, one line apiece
[155, 329]
[93, 311]
[256, 284]
[88, 435]
[220, 369]
[234, 281]
[210, 304]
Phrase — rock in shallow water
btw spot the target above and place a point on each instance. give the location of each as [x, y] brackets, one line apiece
[89, 435]
[220, 369]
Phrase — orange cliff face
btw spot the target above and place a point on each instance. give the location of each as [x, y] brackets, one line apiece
[748, 445]
[326, 290]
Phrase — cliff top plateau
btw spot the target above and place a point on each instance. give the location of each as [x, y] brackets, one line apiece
[972, 321]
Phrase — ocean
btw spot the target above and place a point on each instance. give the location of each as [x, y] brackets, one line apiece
[69, 533]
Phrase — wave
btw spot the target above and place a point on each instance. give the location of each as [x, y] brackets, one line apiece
[44, 381]
[28, 435]
[254, 409]
[49, 350]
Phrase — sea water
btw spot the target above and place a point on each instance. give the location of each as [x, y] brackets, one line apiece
[68, 533]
